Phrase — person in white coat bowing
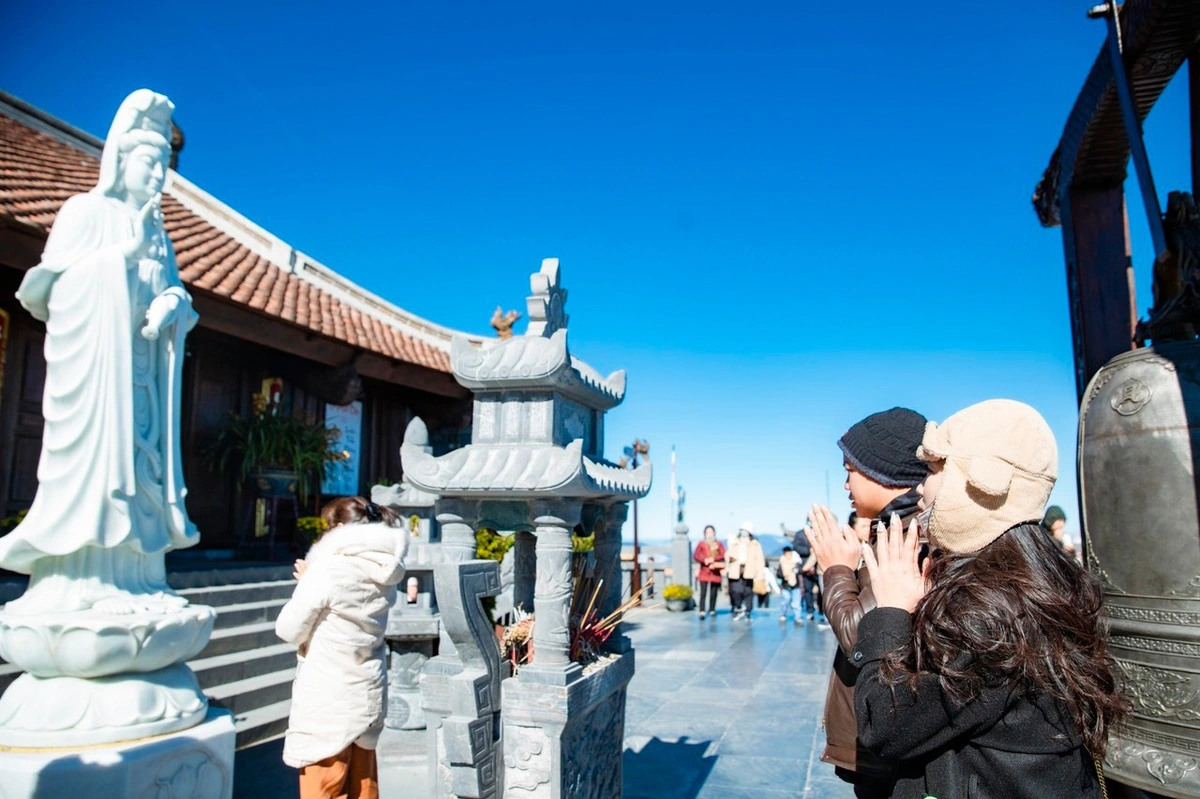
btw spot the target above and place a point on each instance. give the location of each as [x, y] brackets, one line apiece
[337, 617]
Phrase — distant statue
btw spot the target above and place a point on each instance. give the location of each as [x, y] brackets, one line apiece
[503, 322]
[110, 498]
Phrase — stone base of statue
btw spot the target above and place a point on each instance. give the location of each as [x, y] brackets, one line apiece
[72, 711]
[194, 764]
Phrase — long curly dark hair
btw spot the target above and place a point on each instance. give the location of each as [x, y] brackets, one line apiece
[1027, 616]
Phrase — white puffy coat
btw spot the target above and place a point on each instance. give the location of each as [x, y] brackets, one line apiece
[337, 616]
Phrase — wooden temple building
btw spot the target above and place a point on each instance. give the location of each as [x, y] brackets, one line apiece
[267, 312]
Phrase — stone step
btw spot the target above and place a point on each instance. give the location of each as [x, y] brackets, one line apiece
[252, 693]
[247, 638]
[241, 574]
[222, 669]
[248, 613]
[262, 724]
[219, 596]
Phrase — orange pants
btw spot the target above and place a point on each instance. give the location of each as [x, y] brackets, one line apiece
[350, 774]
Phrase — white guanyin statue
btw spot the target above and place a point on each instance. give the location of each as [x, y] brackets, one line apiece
[110, 498]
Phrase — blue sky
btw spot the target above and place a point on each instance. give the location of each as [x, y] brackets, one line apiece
[777, 217]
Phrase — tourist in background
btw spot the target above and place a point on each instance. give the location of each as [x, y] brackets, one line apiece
[882, 474]
[710, 554]
[814, 596]
[808, 572]
[792, 583]
[1055, 525]
[764, 582]
[744, 562]
[337, 617]
[986, 669]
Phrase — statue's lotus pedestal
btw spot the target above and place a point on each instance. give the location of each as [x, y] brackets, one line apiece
[196, 763]
[98, 678]
[108, 707]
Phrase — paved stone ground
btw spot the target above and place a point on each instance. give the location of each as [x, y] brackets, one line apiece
[717, 709]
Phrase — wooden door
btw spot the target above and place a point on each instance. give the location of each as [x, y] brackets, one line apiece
[21, 415]
[214, 386]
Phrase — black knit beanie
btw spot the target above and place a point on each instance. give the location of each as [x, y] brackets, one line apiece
[884, 447]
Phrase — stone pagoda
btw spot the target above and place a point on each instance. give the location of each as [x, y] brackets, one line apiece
[534, 468]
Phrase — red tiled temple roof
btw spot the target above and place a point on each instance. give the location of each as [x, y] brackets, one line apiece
[38, 172]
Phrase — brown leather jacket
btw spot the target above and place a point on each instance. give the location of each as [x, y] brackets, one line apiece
[848, 597]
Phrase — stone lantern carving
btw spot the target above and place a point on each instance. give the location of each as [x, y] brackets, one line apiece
[534, 467]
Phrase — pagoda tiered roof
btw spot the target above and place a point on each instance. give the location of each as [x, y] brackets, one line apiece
[532, 362]
[522, 471]
[537, 442]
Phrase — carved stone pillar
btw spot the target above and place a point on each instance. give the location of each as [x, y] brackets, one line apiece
[552, 596]
[524, 570]
[457, 519]
[681, 556]
[608, 564]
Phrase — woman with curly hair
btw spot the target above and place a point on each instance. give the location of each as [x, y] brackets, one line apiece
[985, 671]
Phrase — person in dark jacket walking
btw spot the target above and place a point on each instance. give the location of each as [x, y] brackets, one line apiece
[804, 550]
[882, 472]
[985, 671]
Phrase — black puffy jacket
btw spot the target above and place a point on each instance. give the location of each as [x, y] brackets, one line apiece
[998, 746]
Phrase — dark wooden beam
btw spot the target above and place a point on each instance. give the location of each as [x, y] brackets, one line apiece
[401, 373]
[217, 313]
[20, 245]
[223, 316]
[1194, 116]
[1099, 278]
[1093, 151]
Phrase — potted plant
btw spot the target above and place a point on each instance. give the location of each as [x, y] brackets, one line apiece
[678, 597]
[310, 529]
[490, 545]
[583, 555]
[279, 454]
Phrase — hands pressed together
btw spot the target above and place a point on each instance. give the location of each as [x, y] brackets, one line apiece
[897, 580]
[833, 545]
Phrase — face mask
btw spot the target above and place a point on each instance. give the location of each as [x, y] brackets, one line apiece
[923, 519]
